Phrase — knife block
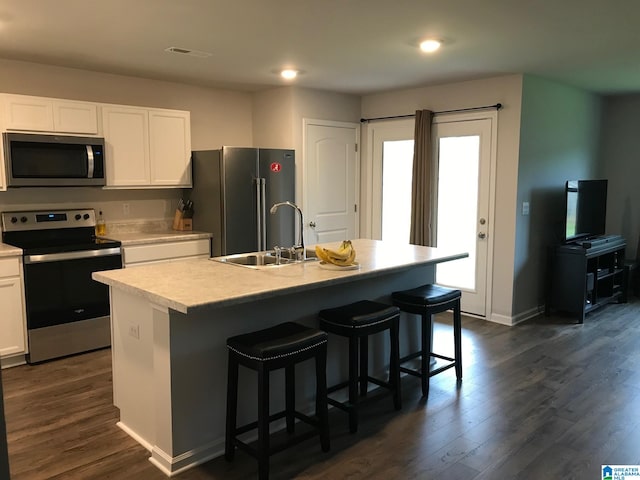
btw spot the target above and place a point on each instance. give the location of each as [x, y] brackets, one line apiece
[181, 223]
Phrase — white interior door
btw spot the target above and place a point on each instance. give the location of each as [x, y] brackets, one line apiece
[331, 173]
[464, 152]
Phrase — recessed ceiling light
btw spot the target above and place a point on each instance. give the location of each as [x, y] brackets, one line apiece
[289, 74]
[188, 51]
[430, 45]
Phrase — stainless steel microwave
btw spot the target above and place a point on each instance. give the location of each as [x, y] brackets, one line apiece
[34, 160]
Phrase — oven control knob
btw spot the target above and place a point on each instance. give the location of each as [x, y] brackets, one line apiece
[78, 216]
[86, 216]
[14, 219]
[23, 219]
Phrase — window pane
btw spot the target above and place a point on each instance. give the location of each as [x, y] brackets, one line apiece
[397, 166]
[458, 165]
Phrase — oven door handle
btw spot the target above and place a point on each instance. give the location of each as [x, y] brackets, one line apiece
[57, 257]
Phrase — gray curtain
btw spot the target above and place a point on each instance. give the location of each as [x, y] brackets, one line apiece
[423, 182]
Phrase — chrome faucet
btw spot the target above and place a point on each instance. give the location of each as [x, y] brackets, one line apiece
[300, 252]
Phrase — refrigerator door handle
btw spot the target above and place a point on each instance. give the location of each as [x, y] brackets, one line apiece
[259, 214]
[263, 194]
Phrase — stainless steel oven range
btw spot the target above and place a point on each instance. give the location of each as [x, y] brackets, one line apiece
[67, 311]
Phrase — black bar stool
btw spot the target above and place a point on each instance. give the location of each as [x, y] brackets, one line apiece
[265, 350]
[427, 300]
[357, 321]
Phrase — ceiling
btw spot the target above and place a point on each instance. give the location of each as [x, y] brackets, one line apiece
[351, 46]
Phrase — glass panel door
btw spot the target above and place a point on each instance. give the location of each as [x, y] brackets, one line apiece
[397, 166]
[458, 207]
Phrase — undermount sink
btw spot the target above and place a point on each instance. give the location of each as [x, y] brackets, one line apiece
[264, 259]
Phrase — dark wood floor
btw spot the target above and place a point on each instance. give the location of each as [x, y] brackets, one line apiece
[546, 399]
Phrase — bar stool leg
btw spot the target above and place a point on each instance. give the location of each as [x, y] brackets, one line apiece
[425, 357]
[232, 408]
[394, 364]
[290, 396]
[364, 364]
[322, 408]
[353, 384]
[457, 339]
[263, 423]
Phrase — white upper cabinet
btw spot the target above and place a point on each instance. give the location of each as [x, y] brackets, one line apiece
[75, 117]
[170, 147]
[40, 114]
[126, 134]
[147, 147]
[144, 147]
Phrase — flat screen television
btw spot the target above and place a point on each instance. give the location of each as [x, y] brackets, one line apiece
[586, 209]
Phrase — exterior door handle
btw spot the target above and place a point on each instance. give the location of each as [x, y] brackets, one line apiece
[312, 224]
[482, 235]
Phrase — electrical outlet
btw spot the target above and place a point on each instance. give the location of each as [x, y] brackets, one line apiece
[525, 208]
[125, 209]
[134, 331]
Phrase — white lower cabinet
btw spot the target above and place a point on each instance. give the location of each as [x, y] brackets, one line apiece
[134, 255]
[12, 321]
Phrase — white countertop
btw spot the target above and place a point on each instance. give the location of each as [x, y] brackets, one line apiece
[9, 250]
[141, 238]
[186, 285]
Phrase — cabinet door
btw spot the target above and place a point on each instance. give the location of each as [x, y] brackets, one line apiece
[12, 326]
[162, 252]
[126, 136]
[3, 179]
[23, 112]
[170, 148]
[75, 117]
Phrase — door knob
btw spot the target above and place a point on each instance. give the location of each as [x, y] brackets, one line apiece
[482, 235]
[312, 224]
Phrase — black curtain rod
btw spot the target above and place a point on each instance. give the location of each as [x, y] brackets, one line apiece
[497, 106]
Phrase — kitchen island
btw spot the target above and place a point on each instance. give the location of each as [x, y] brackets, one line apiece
[170, 323]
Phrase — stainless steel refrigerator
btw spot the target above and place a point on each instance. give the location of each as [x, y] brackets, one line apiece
[233, 190]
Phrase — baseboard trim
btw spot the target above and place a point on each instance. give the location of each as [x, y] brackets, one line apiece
[13, 361]
[510, 321]
[135, 436]
[171, 466]
[501, 319]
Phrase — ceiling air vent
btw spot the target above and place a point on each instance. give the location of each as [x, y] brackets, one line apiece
[186, 51]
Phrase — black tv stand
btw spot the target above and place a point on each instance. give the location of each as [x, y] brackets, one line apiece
[591, 242]
[588, 274]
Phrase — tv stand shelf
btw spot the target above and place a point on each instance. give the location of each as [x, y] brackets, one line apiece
[588, 275]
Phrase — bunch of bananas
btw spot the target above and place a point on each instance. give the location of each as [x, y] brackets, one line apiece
[343, 257]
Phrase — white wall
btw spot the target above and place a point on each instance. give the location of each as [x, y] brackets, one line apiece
[506, 90]
[559, 141]
[218, 117]
[621, 166]
[279, 113]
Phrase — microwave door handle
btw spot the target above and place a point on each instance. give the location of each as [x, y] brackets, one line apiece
[90, 161]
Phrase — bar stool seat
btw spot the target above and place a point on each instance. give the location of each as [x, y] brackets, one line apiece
[281, 346]
[428, 300]
[357, 321]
